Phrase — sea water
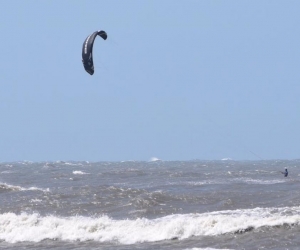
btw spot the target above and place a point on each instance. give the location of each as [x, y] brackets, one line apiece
[150, 205]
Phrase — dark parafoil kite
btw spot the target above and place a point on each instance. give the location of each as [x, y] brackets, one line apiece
[87, 50]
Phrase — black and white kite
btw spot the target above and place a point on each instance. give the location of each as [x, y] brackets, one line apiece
[87, 50]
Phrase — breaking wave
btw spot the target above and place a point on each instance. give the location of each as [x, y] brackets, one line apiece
[35, 228]
[7, 187]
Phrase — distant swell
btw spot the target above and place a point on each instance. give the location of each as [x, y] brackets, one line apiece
[35, 228]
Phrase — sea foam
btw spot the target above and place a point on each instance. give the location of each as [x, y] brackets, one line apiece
[35, 228]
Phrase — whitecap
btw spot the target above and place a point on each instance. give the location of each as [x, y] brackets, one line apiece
[226, 159]
[19, 188]
[153, 159]
[79, 172]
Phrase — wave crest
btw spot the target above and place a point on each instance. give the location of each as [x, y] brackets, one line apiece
[35, 228]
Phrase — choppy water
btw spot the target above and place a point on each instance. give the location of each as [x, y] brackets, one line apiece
[150, 205]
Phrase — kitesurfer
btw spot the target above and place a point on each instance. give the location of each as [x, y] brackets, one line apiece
[285, 173]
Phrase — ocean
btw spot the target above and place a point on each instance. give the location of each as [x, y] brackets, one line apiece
[187, 205]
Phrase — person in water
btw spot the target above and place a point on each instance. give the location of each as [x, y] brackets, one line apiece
[285, 172]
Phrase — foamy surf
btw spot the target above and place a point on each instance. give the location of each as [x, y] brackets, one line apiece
[35, 228]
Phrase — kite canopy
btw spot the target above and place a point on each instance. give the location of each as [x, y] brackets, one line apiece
[87, 50]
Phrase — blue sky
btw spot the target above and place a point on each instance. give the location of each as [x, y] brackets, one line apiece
[176, 80]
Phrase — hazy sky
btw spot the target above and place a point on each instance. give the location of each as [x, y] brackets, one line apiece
[176, 80]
